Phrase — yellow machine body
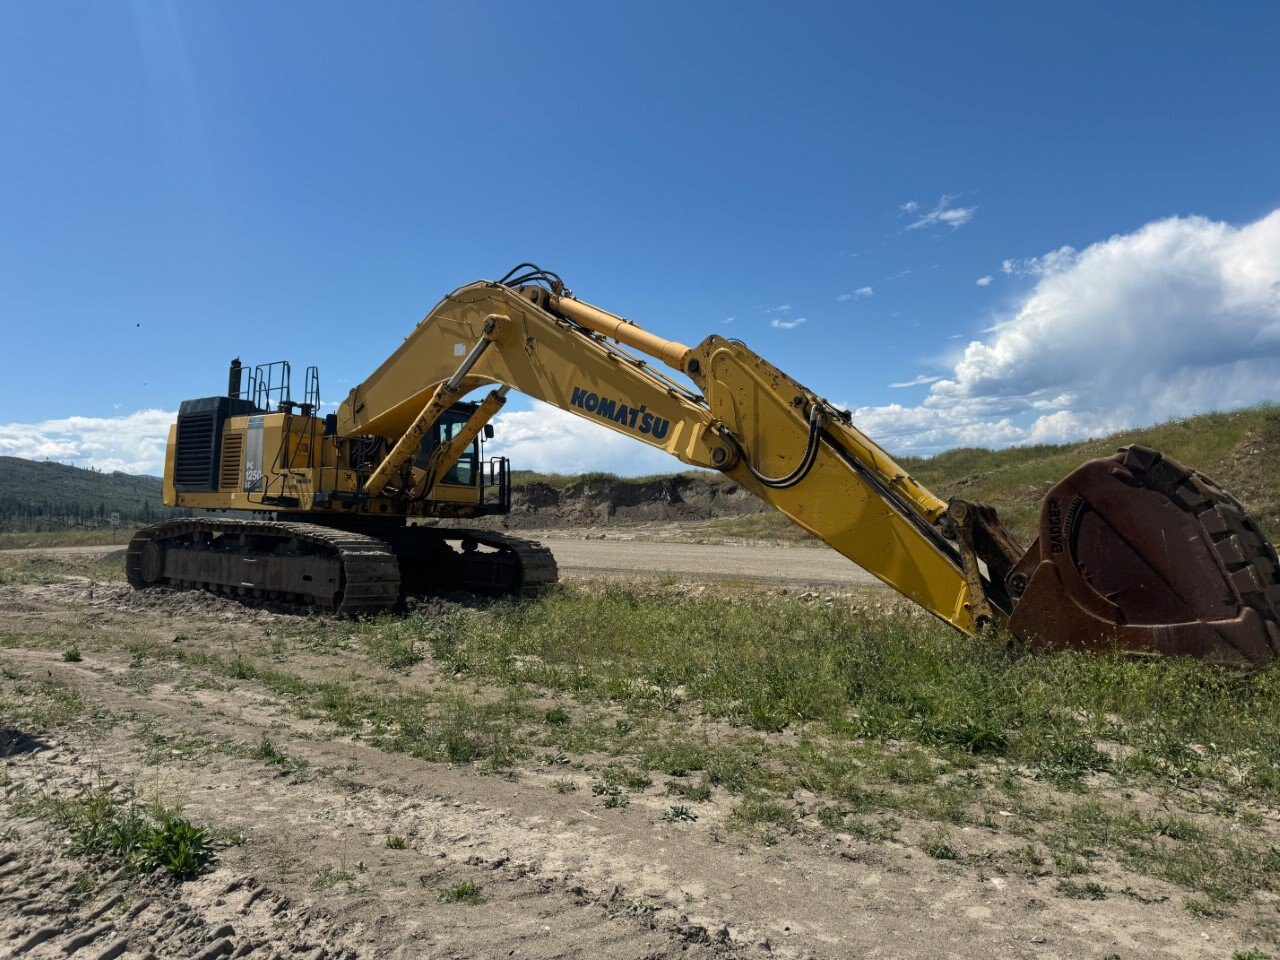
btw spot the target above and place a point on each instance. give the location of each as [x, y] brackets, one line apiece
[1135, 552]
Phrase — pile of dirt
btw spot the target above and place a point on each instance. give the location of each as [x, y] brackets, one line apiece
[595, 501]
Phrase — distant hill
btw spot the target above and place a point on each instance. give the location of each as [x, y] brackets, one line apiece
[44, 496]
[1239, 450]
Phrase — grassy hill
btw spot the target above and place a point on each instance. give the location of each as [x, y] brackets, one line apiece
[39, 496]
[1240, 450]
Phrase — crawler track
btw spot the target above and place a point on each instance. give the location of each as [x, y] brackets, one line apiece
[347, 572]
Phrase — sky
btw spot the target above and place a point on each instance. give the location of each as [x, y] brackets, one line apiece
[971, 224]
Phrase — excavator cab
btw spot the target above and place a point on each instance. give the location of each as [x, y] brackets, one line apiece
[471, 479]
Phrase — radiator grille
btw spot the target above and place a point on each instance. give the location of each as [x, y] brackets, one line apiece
[193, 459]
[232, 451]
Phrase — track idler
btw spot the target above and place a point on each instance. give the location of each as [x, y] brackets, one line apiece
[1137, 553]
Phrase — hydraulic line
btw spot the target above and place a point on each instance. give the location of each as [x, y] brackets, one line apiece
[802, 468]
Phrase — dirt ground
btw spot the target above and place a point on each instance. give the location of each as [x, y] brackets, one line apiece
[560, 875]
[652, 552]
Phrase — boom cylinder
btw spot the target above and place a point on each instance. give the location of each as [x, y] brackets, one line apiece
[446, 456]
[670, 352]
[444, 397]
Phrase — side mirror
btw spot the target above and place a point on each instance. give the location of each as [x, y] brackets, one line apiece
[488, 431]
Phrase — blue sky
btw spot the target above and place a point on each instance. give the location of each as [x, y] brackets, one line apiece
[185, 183]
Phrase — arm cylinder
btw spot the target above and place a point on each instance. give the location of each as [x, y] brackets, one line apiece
[624, 331]
[445, 396]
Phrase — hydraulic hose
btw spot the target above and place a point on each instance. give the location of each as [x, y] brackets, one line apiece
[802, 468]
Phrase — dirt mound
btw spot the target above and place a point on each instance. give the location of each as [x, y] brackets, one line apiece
[616, 501]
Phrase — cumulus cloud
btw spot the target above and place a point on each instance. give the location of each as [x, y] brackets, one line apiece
[860, 294]
[1178, 317]
[944, 214]
[780, 324]
[133, 443]
[984, 281]
[551, 440]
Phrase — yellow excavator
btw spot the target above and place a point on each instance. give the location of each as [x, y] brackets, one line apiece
[1135, 552]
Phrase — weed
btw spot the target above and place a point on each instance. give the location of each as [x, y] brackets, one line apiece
[327, 877]
[1082, 891]
[1202, 909]
[463, 892]
[695, 793]
[114, 826]
[612, 794]
[762, 815]
[177, 845]
[938, 845]
[564, 786]
[268, 752]
[72, 655]
[1253, 953]
[679, 814]
[395, 843]
[392, 642]
[556, 717]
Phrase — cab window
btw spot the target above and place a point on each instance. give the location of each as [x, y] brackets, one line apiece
[462, 473]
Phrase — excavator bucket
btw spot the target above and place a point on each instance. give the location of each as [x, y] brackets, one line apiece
[1139, 554]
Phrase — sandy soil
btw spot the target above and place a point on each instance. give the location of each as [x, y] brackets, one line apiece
[561, 876]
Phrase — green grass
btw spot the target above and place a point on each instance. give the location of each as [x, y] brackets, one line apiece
[29, 539]
[113, 825]
[888, 719]
[466, 892]
[50, 568]
[37, 705]
[771, 664]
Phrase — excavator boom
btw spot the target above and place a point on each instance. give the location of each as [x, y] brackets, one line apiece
[1135, 552]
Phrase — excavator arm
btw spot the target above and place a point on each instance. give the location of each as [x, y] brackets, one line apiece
[752, 422]
[1135, 552]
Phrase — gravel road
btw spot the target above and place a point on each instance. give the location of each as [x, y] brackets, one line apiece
[792, 566]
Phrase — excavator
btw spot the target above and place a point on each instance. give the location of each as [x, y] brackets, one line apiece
[1135, 552]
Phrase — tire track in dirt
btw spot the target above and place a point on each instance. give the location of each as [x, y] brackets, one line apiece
[563, 876]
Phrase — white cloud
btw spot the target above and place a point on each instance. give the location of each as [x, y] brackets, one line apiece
[860, 294]
[781, 308]
[944, 214]
[918, 381]
[909, 207]
[133, 443]
[1055, 261]
[779, 324]
[1178, 317]
[984, 281]
[841, 298]
[730, 319]
[552, 440]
